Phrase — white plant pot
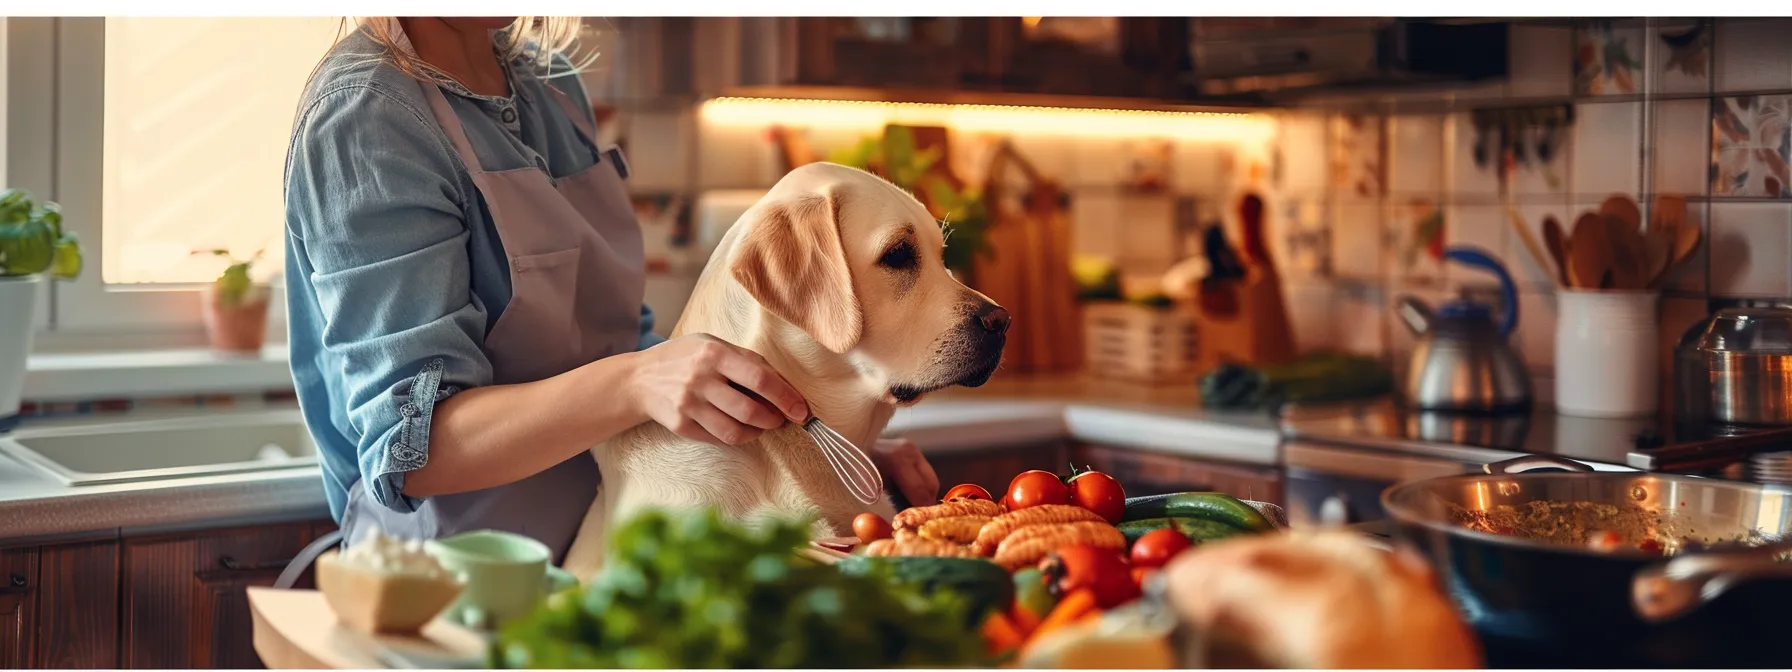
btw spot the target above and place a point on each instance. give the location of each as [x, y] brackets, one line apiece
[18, 311]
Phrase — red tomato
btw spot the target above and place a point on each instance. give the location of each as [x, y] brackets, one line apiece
[871, 527]
[1157, 547]
[1033, 488]
[1100, 493]
[967, 491]
[1139, 574]
[1102, 571]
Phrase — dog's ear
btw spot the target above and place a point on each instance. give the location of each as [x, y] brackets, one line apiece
[792, 262]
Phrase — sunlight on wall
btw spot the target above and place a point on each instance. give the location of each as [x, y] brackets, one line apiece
[197, 116]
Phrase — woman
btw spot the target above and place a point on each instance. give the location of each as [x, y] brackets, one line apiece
[465, 280]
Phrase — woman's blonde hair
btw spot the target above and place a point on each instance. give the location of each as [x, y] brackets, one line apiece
[534, 40]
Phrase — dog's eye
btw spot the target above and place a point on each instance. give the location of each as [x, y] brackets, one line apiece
[901, 257]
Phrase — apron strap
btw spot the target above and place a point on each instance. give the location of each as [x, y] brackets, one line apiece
[612, 153]
[450, 123]
[290, 575]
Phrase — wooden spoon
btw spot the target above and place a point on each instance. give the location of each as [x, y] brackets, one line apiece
[1658, 243]
[1557, 242]
[1624, 209]
[1630, 260]
[1669, 212]
[1590, 253]
[1685, 242]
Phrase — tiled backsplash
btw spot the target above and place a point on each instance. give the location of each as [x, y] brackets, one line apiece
[1697, 108]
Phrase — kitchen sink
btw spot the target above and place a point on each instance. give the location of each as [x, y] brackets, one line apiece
[145, 450]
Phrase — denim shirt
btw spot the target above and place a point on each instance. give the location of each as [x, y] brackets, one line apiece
[394, 268]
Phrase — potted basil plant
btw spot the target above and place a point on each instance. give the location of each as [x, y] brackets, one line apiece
[32, 246]
[236, 306]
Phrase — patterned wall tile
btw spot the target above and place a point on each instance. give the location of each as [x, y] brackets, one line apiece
[1357, 160]
[1608, 146]
[1750, 146]
[1414, 240]
[1608, 59]
[1680, 56]
[1751, 249]
[1752, 54]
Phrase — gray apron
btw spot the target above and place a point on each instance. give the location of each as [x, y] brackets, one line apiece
[576, 275]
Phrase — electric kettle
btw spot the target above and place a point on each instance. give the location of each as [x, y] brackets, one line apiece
[1462, 360]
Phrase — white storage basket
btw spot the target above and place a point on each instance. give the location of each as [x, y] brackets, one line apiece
[1139, 343]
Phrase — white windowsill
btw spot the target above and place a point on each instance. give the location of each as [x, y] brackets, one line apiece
[154, 373]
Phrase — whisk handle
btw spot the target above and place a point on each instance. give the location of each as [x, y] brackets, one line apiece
[755, 397]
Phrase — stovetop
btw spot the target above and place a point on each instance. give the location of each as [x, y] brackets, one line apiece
[1383, 424]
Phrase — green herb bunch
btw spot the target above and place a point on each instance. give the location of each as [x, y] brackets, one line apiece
[697, 591]
[32, 240]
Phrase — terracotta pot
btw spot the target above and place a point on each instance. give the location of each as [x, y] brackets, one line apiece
[241, 327]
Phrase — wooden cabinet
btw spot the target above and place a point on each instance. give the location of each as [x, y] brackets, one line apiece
[994, 468]
[185, 604]
[1147, 473]
[77, 606]
[18, 607]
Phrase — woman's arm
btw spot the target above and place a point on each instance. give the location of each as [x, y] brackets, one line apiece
[500, 434]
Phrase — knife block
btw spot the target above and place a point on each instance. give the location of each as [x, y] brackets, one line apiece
[1257, 335]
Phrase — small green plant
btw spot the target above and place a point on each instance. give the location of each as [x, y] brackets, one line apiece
[234, 283]
[32, 240]
[892, 155]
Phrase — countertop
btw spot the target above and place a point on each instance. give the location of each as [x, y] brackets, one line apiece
[1381, 425]
[1166, 419]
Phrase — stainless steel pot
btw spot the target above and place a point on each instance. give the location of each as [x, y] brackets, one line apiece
[1736, 367]
[1569, 606]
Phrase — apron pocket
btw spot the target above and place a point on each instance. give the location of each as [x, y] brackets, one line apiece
[539, 318]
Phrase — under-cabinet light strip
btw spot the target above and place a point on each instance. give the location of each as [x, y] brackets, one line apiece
[1007, 119]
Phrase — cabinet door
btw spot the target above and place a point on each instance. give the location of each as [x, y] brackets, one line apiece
[1147, 473]
[18, 606]
[185, 599]
[77, 606]
[993, 469]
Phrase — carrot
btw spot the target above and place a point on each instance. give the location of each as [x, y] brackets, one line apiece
[1069, 610]
[1000, 633]
[1024, 619]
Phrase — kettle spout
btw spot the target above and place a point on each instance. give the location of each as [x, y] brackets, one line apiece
[1415, 313]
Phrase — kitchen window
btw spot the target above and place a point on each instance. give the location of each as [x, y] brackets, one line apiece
[163, 136]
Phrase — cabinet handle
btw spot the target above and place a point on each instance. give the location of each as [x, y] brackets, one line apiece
[15, 583]
[231, 564]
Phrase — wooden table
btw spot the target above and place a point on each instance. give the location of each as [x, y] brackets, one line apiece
[296, 629]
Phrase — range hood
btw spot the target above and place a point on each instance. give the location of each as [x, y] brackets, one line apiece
[1281, 62]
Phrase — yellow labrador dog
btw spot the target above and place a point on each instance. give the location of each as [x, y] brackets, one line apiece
[835, 278]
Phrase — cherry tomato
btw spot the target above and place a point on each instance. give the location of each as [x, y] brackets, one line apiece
[1036, 487]
[1100, 493]
[1157, 547]
[967, 491]
[1081, 566]
[871, 527]
[1139, 575]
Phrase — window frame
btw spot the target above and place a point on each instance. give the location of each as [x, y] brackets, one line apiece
[59, 152]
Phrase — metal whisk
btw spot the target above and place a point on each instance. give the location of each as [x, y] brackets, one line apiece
[855, 469]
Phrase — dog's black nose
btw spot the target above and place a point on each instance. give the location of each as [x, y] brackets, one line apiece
[994, 318]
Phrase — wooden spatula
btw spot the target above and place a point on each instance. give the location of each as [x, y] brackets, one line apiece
[1557, 242]
[1630, 258]
[1591, 252]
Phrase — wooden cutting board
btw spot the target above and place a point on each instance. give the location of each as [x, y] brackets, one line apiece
[296, 629]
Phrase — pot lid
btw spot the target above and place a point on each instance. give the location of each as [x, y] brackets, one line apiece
[1749, 330]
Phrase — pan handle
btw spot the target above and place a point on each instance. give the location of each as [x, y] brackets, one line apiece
[1680, 586]
[1519, 465]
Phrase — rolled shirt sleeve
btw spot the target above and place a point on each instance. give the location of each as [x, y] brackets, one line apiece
[385, 252]
[648, 338]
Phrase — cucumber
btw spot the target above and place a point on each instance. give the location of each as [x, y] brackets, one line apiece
[1198, 530]
[984, 584]
[1216, 506]
[1032, 593]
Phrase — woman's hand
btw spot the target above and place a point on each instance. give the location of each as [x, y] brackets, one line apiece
[903, 462]
[683, 384]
